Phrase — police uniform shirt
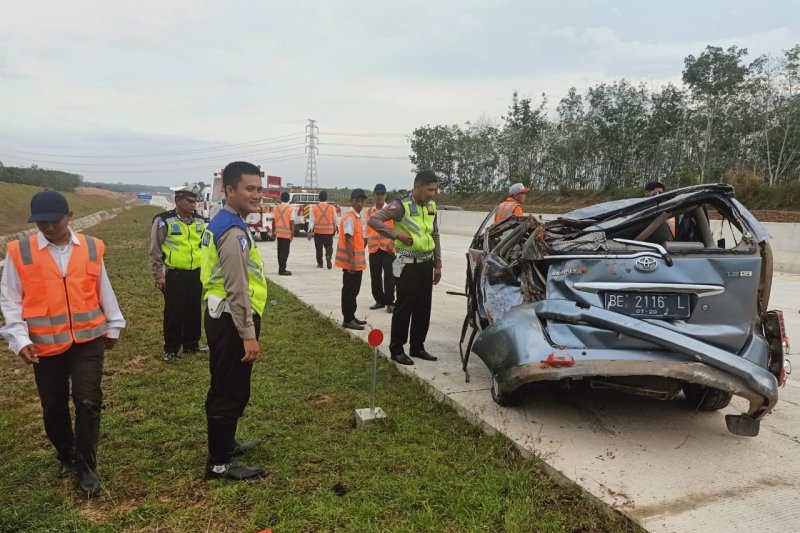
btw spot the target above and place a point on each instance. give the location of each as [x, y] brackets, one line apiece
[394, 211]
[158, 234]
[233, 249]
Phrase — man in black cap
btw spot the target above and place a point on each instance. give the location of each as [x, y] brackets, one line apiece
[350, 258]
[381, 255]
[61, 315]
[175, 262]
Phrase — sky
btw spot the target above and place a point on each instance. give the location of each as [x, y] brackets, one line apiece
[161, 92]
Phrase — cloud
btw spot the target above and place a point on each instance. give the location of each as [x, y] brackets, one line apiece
[138, 77]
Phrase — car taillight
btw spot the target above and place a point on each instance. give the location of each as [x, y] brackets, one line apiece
[784, 338]
[555, 359]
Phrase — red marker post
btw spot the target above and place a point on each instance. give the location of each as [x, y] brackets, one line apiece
[364, 416]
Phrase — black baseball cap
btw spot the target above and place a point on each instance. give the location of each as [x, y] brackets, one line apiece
[358, 192]
[380, 188]
[48, 206]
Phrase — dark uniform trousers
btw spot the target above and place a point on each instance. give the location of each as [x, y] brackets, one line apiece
[182, 309]
[380, 273]
[229, 391]
[283, 253]
[351, 286]
[323, 241]
[412, 305]
[82, 364]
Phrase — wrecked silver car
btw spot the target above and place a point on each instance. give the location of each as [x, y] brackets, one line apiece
[651, 296]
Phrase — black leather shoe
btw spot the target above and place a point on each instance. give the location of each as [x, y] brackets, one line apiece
[377, 306]
[390, 308]
[328, 263]
[88, 482]
[319, 265]
[234, 471]
[67, 468]
[285, 273]
[246, 446]
[359, 322]
[425, 355]
[352, 325]
[402, 359]
[195, 349]
[170, 356]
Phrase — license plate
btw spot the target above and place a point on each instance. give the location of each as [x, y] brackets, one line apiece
[649, 305]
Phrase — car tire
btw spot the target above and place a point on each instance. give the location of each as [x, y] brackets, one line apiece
[265, 236]
[504, 399]
[705, 398]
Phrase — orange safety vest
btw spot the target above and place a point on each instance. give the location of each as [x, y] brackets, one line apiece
[60, 310]
[376, 241]
[342, 255]
[671, 224]
[283, 221]
[506, 209]
[323, 218]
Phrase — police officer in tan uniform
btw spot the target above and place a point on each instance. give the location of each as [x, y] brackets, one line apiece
[175, 263]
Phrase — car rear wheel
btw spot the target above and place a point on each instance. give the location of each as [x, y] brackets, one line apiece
[706, 398]
[501, 398]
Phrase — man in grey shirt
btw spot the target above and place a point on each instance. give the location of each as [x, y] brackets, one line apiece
[235, 290]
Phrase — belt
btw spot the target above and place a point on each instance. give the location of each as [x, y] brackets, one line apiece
[413, 260]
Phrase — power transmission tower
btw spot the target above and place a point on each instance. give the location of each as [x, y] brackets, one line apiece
[312, 132]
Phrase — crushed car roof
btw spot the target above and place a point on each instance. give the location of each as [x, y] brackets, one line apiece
[607, 215]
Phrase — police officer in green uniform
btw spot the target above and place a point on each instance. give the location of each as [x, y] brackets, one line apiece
[235, 289]
[175, 262]
[417, 266]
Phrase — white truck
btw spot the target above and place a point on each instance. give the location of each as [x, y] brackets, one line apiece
[303, 200]
[210, 202]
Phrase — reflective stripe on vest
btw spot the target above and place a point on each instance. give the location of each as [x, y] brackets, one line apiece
[283, 221]
[60, 309]
[181, 246]
[507, 209]
[418, 221]
[376, 241]
[211, 271]
[323, 219]
[342, 255]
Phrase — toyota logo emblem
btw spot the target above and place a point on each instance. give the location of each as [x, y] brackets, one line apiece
[646, 264]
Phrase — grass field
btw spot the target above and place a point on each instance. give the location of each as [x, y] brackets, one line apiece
[425, 469]
[17, 201]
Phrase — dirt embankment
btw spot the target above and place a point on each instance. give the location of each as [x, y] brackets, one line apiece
[94, 191]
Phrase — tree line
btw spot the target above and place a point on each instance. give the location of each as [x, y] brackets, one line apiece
[39, 177]
[729, 120]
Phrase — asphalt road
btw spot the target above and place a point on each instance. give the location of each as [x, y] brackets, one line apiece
[665, 465]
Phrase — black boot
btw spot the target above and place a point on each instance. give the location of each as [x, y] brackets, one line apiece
[87, 435]
[239, 448]
[221, 443]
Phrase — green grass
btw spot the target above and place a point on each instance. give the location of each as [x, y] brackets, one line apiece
[17, 205]
[424, 469]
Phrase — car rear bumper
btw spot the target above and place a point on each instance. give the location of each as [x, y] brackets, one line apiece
[515, 347]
